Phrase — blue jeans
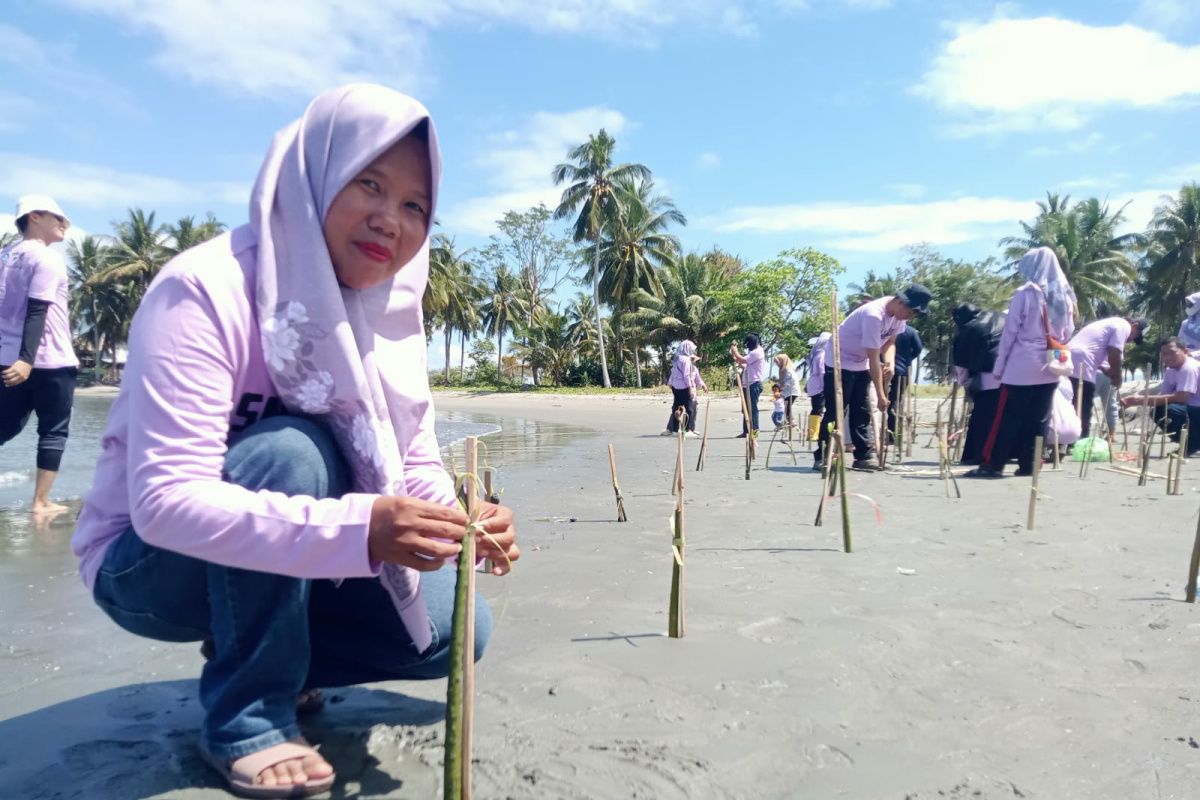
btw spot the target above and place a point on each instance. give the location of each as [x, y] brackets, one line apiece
[274, 635]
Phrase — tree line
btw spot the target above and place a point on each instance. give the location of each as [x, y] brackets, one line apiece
[603, 298]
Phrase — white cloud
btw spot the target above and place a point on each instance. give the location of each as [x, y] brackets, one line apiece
[708, 160]
[519, 162]
[882, 227]
[1049, 73]
[304, 46]
[97, 187]
[54, 70]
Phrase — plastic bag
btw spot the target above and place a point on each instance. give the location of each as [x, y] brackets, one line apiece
[1090, 449]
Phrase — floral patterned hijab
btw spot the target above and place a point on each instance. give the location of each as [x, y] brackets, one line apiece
[1189, 331]
[1040, 267]
[353, 358]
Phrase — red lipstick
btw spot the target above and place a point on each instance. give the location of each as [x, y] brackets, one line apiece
[375, 252]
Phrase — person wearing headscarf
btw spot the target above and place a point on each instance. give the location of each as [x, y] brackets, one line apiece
[973, 351]
[1042, 310]
[37, 360]
[684, 380]
[754, 369]
[789, 385]
[270, 482]
[867, 338]
[1189, 329]
[815, 386]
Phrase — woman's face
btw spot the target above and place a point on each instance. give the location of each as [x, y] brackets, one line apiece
[379, 220]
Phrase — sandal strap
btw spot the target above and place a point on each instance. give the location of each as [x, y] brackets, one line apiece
[247, 768]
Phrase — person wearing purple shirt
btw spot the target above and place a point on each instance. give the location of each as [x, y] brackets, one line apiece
[684, 380]
[270, 482]
[37, 362]
[754, 369]
[1176, 402]
[815, 386]
[1042, 308]
[867, 337]
[1100, 346]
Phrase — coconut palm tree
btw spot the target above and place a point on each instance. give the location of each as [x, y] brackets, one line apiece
[1094, 258]
[187, 233]
[451, 295]
[594, 194]
[503, 309]
[581, 316]
[636, 245]
[99, 309]
[687, 308]
[1172, 261]
[138, 252]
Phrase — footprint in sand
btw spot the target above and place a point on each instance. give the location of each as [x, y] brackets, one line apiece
[773, 630]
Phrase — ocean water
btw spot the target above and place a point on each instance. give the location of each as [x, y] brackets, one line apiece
[17, 468]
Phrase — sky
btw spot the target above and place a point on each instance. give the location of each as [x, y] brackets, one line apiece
[858, 127]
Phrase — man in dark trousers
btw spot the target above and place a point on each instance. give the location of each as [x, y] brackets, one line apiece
[908, 347]
[867, 338]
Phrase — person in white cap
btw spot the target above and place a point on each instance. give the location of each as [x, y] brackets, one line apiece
[37, 362]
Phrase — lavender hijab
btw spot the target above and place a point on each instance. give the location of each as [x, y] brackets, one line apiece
[354, 358]
[327, 346]
[1040, 267]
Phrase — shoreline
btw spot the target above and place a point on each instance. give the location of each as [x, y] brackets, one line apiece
[953, 655]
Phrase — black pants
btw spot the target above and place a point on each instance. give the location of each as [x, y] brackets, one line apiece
[50, 393]
[894, 401]
[818, 404]
[683, 397]
[1172, 417]
[751, 393]
[983, 412]
[855, 386]
[1089, 394]
[1022, 413]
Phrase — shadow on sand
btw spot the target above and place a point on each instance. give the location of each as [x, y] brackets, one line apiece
[140, 741]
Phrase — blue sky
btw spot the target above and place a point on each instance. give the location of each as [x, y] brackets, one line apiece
[854, 126]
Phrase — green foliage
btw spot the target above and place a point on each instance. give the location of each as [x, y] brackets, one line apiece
[1171, 268]
[784, 300]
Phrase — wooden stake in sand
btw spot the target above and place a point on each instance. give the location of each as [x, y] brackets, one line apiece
[746, 423]
[681, 420]
[461, 685]
[1038, 444]
[1194, 566]
[492, 496]
[1174, 486]
[703, 437]
[826, 472]
[901, 413]
[675, 612]
[839, 436]
[612, 465]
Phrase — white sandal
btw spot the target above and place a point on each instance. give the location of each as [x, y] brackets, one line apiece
[241, 773]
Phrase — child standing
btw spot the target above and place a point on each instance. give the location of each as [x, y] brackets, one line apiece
[777, 416]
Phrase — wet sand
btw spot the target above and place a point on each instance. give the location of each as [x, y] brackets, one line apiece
[953, 655]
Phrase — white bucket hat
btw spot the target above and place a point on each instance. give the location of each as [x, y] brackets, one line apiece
[39, 202]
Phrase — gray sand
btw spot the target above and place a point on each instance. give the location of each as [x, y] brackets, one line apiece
[1052, 664]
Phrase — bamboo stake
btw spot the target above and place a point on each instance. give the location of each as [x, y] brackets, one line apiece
[1171, 474]
[953, 412]
[912, 421]
[681, 419]
[746, 422]
[1179, 459]
[675, 612]
[704, 437]
[1194, 566]
[612, 465]
[492, 496]
[840, 412]
[1038, 444]
[460, 688]
[901, 413]
[826, 472]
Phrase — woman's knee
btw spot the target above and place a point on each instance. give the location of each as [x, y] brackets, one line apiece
[292, 455]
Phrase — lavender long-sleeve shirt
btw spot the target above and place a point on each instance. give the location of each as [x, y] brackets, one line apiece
[1021, 360]
[195, 375]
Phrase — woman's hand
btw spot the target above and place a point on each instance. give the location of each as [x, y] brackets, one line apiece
[497, 520]
[406, 531]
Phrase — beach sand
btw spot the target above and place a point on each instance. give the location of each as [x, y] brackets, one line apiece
[953, 655]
